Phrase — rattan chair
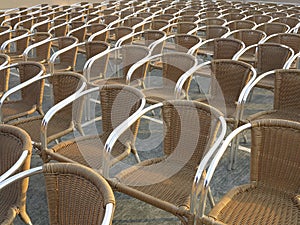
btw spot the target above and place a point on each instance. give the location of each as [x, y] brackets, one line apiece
[75, 194]
[272, 194]
[280, 55]
[61, 118]
[117, 103]
[272, 28]
[210, 31]
[15, 151]
[19, 102]
[63, 57]
[112, 66]
[240, 24]
[168, 182]
[174, 66]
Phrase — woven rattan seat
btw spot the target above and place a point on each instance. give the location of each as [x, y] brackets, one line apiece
[118, 102]
[14, 143]
[72, 190]
[31, 97]
[166, 182]
[272, 194]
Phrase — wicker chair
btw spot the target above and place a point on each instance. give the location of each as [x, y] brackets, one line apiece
[272, 28]
[118, 102]
[240, 24]
[280, 55]
[62, 118]
[167, 182]
[75, 194]
[174, 66]
[15, 151]
[272, 195]
[30, 98]
[258, 18]
[112, 66]
[63, 58]
[228, 81]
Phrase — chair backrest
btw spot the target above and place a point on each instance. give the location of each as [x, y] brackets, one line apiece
[229, 77]
[286, 92]
[273, 28]
[178, 117]
[4, 73]
[215, 31]
[288, 39]
[290, 21]
[14, 141]
[5, 34]
[183, 42]
[174, 65]
[74, 190]
[225, 48]
[259, 18]
[275, 154]
[279, 54]
[249, 36]
[118, 102]
[240, 24]
[68, 57]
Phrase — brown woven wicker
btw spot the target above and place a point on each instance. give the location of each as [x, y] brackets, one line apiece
[286, 95]
[291, 21]
[14, 142]
[4, 73]
[259, 18]
[31, 97]
[273, 28]
[166, 182]
[118, 102]
[272, 195]
[174, 65]
[125, 57]
[63, 122]
[182, 42]
[5, 35]
[233, 16]
[240, 24]
[76, 194]
[228, 78]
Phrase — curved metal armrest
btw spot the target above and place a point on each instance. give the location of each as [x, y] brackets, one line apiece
[39, 24]
[59, 52]
[88, 65]
[35, 45]
[20, 176]
[220, 152]
[15, 167]
[240, 53]
[94, 19]
[138, 64]
[196, 29]
[77, 17]
[9, 19]
[6, 43]
[54, 109]
[204, 163]
[127, 36]
[58, 26]
[157, 42]
[119, 130]
[98, 33]
[185, 76]
[77, 29]
[22, 21]
[246, 91]
[291, 60]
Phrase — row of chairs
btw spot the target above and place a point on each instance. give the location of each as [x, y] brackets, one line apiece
[124, 177]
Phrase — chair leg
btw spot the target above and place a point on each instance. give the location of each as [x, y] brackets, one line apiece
[210, 197]
[24, 216]
[233, 153]
[136, 155]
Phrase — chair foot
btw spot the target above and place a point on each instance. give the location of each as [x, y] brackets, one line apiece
[24, 216]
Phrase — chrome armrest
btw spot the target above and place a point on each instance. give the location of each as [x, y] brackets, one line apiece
[54, 109]
[98, 33]
[240, 53]
[6, 43]
[119, 130]
[204, 163]
[55, 27]
[14, 167]
[291, 60]
[127, 36]
[59, 52]
[20, 22]
[35, 45]
[39, 24]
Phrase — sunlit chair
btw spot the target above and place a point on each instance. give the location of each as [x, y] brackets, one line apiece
[71, 190]
[16, 152]
[272, 193]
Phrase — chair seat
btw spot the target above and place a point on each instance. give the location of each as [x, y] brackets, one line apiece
[271, 206]
[160, 94]
[88, 151]
[16, 109]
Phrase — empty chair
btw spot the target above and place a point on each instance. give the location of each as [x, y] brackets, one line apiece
[117, 104]
[259, 18]
[210, 31]
[272, 194]
[59, 119]
[272, 28]
[31, 97]
[279, 53]
[182, 43]
[112, 66]
[190, 137]
[16, 152]
[71, 190]
[240, 24]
